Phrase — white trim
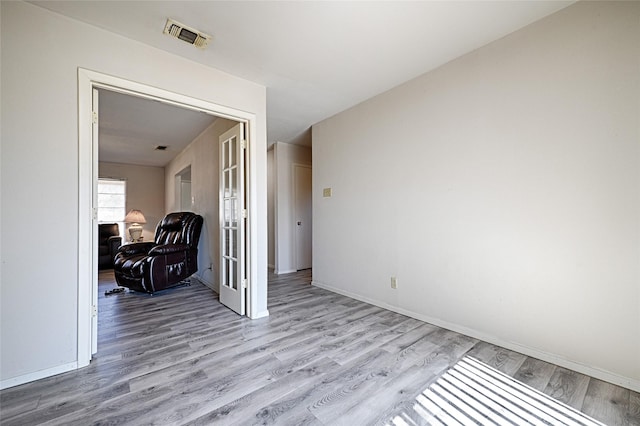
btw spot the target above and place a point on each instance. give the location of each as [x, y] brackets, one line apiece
[85, 214]
[286, 271]
[87, 80]
[261, 314]
[598, 373]
[95, 104]
[37, 375]
[251, 185]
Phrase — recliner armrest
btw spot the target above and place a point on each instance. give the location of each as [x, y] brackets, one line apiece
[168, 249]
[114, 244]
[136, 248]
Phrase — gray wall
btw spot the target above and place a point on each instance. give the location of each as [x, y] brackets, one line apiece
[145, 192]
[503, 191]
[203, 156]
[38, 296]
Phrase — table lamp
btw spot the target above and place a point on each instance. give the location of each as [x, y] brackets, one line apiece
[135, 218]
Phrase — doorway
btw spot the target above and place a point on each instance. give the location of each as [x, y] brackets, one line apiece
[302, 210]
[183, 190]
[88, 170]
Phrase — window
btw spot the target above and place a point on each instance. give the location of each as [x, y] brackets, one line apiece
[112, 196]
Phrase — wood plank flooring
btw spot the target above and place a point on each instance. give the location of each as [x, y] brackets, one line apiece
[180, 357]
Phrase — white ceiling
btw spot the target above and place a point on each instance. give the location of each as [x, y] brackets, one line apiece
[132, 127]
[316, 58]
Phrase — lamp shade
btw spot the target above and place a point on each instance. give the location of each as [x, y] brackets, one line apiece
[135, 216]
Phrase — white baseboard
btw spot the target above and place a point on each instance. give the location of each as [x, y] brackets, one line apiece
[598, 373]
[284, 271]
[37, 375]
[261, 314]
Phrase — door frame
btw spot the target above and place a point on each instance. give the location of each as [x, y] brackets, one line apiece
[178, 190]
[88, 167]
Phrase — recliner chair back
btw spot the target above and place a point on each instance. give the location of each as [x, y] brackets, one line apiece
[179, 228]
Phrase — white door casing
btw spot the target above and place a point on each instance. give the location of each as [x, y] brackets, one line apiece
[94, 225]
[87, 173]
[232, 219]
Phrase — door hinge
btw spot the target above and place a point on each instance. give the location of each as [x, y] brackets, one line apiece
[243, 144]
[244, 213]
[94, 311]
[94, 213]
[94, 117]
[244, 283]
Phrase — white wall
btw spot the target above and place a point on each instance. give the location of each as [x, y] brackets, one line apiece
[286, 155]
[271, 201]
[503, 190]
[1, 210]
[203, 156]
[145, 192]
[39, 326]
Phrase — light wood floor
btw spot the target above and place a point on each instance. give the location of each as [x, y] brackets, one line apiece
[179, 357]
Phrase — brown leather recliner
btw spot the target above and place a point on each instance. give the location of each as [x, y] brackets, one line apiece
[164, 263]
[108, 242]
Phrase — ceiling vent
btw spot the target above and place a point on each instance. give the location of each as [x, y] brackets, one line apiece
[188, 34]
[161, 148]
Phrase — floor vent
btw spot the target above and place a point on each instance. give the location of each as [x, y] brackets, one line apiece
[186, 34]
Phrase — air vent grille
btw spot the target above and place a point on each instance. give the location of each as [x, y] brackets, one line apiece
[186, 34]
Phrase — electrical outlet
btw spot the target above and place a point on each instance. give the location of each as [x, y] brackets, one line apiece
[394, 282]
[326, 192]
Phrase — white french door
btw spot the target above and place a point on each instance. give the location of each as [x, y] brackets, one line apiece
[232, 219]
